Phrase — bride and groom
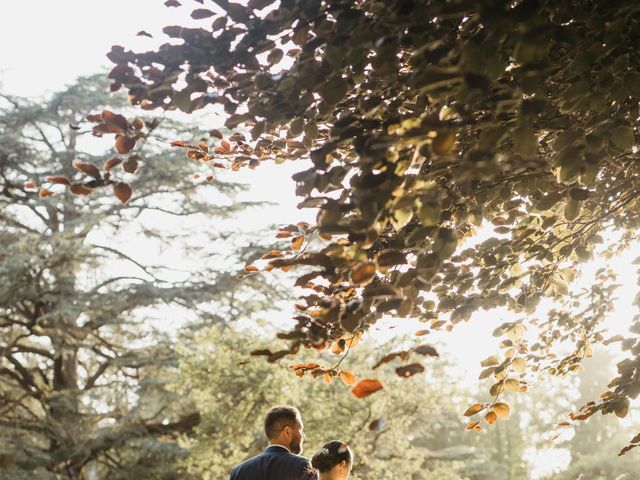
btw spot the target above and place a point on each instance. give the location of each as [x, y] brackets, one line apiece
[281, 460]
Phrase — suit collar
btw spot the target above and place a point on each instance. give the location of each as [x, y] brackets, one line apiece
[277, 448]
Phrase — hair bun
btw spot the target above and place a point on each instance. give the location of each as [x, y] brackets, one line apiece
[330, 455]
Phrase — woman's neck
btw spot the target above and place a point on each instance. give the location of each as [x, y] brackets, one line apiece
[326, 476]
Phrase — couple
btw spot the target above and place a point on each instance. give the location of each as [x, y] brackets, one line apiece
[281, 460]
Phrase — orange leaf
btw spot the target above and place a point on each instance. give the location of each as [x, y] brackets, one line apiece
[226, 145]
[251, 268]
[348, 378]
[421, 333]
[491, 418]
[473, 409]
[30, 185]
[45, 193]
[58, 179]
[122, 191]
[472, 425]
[178, 143]
[327, 377]
[366, 387]
[502, 410]
[296, 243]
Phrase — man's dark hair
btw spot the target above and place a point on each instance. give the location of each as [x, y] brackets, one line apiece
[279, 417]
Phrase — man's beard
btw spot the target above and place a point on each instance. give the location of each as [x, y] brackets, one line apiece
[296, 447]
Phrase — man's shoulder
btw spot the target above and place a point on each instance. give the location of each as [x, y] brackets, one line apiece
[298, 462]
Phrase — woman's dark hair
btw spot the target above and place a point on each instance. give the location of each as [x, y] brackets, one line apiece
[330, 455]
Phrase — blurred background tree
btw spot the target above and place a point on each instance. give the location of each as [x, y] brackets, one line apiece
[88, 319]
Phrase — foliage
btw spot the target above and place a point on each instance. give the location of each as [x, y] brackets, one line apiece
[425, 121]
[82, 364]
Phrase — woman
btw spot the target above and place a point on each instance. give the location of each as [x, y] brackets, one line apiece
[333, 461]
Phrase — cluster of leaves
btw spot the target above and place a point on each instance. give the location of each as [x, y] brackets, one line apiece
[424, 121]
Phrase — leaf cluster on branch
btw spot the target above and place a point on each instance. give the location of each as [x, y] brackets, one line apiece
[424, 122]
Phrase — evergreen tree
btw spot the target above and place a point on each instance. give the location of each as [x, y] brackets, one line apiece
[82, 353]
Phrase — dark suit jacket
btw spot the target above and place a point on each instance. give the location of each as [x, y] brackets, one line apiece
[275, 463]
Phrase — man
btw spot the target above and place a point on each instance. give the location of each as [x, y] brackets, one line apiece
[280, 460]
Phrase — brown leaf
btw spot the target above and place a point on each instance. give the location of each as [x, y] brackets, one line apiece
[88, 168]
[426, 350]
[58, 179]
[377, 425]
[79, 189]
[200, 13]
[410, 370]
[366, 387]
[112, 162]
[114, 120]
[125, 144]
[390, 257]
[473, 409]
[131, 164]
[122, 191]
[363, 273]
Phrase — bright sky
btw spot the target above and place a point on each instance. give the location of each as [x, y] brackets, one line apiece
[47, 44]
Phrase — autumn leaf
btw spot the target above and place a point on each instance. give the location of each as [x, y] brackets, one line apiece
[347, 377]
[473, 409]
[502, 410]
[491, 417]
[125, 144]
[426, 350]
[296, 243]
[43, 192]
[407, 371]
[58, 179]
[363, 273]
[79, 189]
[87, 168]
[366, 387]
[122, 191]
[377, 425]
[110, 163]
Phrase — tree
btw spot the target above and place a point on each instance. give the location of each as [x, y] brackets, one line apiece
[81, 362]
[595, 442]
[424, 122]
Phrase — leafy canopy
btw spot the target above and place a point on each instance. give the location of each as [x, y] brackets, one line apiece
[425, 121]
